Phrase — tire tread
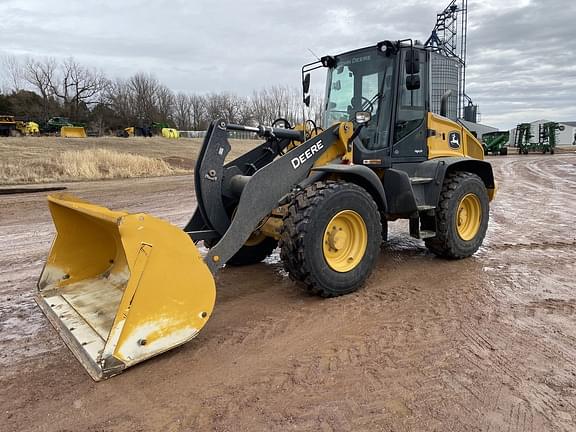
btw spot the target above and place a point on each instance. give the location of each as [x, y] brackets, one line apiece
[296, 226]
[443, 244]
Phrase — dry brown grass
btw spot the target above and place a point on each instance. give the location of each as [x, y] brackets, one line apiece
[50, 159]
[93, 164]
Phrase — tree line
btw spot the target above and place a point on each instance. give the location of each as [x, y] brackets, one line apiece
[38, 89]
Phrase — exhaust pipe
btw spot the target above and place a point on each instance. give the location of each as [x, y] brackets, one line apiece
[444, 103]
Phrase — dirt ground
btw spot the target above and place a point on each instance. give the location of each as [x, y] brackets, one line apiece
[484, 344]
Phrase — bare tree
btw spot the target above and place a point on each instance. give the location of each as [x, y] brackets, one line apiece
[141, 99]
[222, 106]
[119, 98]
[182, 111]
[165, 103]
[143, 88]
[77, 86]
[40, 74]
[14, 73]
[276, 102]
[261, 108]
[198, 106]
[189, 111]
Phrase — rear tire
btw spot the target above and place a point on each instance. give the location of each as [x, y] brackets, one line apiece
[462, 217]
[331, 238]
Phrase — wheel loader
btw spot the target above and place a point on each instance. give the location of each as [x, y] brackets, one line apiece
[121, 288]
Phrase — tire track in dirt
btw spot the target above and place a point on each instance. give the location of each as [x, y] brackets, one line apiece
[482, 344]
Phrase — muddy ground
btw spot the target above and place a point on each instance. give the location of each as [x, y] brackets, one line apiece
[488, 343]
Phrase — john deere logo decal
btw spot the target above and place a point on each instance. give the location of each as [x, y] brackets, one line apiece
[454, 140]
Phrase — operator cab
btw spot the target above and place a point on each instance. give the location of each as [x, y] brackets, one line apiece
[391, 82]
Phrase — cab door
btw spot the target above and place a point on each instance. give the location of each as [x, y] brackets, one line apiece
[372, 147]
[412, 105]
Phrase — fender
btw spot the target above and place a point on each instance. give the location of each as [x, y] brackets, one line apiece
[439, 168]
[362, 176]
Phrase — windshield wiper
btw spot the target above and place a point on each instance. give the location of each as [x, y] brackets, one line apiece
[377, 95]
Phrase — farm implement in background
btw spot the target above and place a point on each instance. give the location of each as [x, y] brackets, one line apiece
[496, 143]
[547, 138]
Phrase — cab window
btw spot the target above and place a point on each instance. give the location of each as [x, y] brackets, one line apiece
[411, 103]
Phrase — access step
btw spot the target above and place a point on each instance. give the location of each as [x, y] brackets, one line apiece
[426, 208]
[417, 233]
[427, 234]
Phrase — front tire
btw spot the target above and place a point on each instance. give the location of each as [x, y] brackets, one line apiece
[461, 218]
[331, 238]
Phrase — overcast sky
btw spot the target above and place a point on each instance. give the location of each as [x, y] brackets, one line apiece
[522, 63]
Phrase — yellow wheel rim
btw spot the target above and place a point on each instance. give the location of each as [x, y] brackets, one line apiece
[345, 241]
[469, 217]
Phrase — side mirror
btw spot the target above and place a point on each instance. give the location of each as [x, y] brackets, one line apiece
[413, 82]
[306, 83]
[362, 117]
[412, 62]
[306, 89]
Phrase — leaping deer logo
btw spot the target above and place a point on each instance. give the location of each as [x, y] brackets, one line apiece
[454, 140]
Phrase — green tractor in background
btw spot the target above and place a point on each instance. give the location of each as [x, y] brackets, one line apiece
[496, 143]
[65, 128]
[54, 125]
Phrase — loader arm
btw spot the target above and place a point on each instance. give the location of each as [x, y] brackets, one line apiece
[253, 196]
[213, 213]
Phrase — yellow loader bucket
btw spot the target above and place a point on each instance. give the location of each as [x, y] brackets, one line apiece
[72, 132]
[121, 288]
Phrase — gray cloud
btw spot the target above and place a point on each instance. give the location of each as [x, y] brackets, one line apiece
[520, 56]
